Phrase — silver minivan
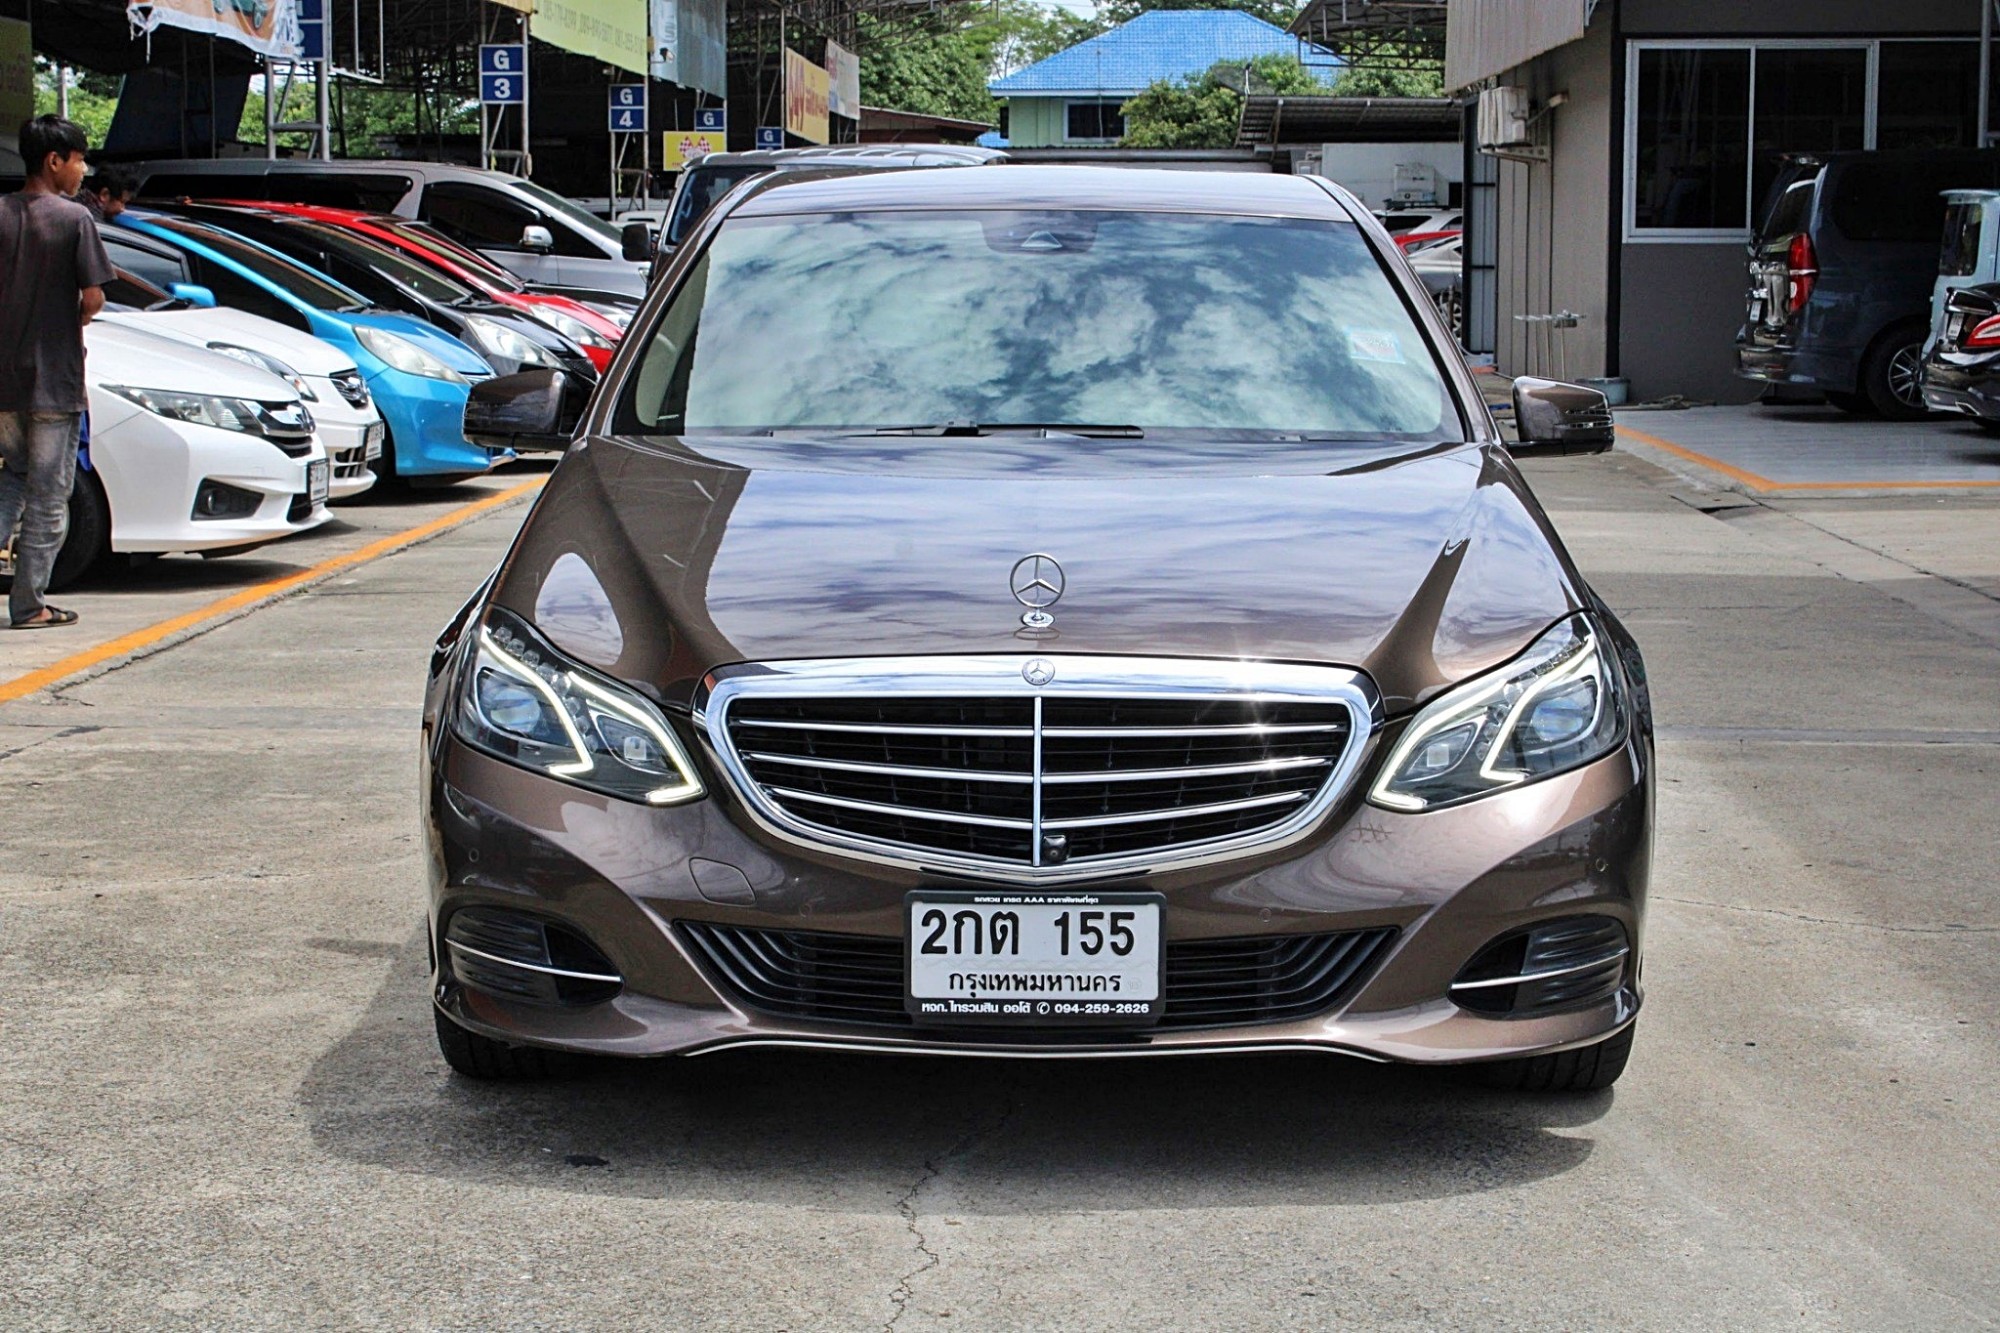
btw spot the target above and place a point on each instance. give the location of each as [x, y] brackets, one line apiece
[543, 237]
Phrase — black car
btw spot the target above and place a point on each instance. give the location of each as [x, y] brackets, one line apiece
[507, 339]
[1962, 370]
[1841, 273]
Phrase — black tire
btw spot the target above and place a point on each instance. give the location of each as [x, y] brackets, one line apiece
[384, 463]
[1855, 404]
[488, 1060]
[89, 538]
[1892, 374]
[1587, 1069]
[1987, 424]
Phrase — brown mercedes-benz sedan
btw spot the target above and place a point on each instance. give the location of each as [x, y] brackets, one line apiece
[1046, 611]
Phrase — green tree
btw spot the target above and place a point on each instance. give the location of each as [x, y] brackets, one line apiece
[92, 98]
[1405, 75]
[1202, 112]
[938, 72]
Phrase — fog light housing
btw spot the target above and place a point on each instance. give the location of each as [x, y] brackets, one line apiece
[515, 956]
[1545, 969]
[215, 500]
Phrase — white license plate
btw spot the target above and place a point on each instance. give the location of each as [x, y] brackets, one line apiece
[317, 481]
[1033, 960]
[371, 449]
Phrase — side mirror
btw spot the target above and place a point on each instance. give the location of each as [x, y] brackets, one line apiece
[537, 238]
[635, 239]
[1554, 419]
[193, 293]
[518, 411]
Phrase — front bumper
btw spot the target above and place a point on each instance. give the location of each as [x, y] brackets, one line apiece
[348, 432]
[152, 469]
[1782, 363]
[426, 420]
[1448, 881]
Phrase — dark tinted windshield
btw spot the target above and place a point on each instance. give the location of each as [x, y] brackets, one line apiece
[703, 188]
[1154, 320]
[294, 279]
[1959, 256]
[420, 278]
[1791, 210]
[436, 243]
[1901, 200]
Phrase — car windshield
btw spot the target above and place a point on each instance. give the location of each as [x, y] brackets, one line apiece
[582, 219]
[427, 282]
[421, 236]
[294, 279]
[1153, 321]
[703, 188]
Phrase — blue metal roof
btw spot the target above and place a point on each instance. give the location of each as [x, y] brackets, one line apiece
[1170, 44]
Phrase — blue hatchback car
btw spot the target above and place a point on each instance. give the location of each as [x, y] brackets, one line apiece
[418, 375]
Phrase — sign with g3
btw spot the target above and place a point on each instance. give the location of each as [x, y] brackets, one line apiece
[503, 75]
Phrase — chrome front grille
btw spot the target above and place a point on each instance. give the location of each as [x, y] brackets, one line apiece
[1114, 764]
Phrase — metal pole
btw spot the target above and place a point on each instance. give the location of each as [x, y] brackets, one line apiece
[271, 108]
[325, 112]
[62, 91]
[1985, 69]
[527, 158]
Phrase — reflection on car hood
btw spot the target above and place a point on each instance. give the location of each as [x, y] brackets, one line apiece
[131, 357]
[1420, 567]
[301, 351]
[435, 341]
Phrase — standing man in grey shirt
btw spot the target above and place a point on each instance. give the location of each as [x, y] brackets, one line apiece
[52, 272]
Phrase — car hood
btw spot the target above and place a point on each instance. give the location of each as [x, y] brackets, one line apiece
[433, 340]
[301, 351]
[659, 560]
[122, 355]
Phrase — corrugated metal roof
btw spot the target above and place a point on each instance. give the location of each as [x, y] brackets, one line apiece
[1484, 38]
[1159, 44]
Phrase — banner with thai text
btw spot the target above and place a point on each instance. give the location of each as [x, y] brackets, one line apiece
[806, 88]
[268, 27]
[613, 31]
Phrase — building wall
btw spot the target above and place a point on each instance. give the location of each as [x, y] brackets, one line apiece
[1798, 18]
[1035, 122]
[1554, 219]
[1681, 307]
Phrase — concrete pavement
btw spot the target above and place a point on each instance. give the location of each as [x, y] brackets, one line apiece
[221, 1106]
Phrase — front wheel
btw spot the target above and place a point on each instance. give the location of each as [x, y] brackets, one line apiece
[1586, 1069]
[1892, 374]
[488, 1060]
[89, 538]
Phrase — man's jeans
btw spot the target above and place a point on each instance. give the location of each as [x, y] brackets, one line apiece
[38, 450]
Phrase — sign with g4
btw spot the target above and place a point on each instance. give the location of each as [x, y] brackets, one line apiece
[503, 75]
[628, 108]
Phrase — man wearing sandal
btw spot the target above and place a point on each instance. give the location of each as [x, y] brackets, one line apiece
[52, 271]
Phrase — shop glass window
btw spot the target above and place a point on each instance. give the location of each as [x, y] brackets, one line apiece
[1927, 95]
[1809, 100]
[1096, 120]
[1692, 149]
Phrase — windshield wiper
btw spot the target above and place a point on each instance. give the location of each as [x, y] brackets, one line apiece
[1094, 431]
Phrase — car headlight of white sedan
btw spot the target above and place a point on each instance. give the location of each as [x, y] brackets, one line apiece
[247, 416]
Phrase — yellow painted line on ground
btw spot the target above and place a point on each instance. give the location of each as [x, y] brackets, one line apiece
[1765, 484]
[139, 640]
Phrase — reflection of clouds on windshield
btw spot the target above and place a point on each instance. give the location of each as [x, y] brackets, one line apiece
[1165, 320]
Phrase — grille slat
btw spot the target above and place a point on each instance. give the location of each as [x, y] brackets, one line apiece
[1037, 781]
[1209, 983]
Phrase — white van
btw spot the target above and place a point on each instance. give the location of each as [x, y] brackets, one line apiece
[546, 239]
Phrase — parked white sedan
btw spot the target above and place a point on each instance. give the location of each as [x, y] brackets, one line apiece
[188, 450]
[334, 392]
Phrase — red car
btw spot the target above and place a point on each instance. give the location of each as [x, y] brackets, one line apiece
[596, 331]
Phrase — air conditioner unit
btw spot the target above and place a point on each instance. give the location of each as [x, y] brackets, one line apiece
[1505, 122]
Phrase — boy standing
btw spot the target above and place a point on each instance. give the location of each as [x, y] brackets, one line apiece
[52, 271]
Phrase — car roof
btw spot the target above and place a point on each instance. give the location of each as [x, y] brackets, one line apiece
[909, 154]
[1030, 187]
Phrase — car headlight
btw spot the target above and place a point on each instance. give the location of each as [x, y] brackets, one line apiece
[522, 701]
[405, 355]
[287, 420]
[1558, 706]
[572, 328]
[508, 344]
[621, 315]
[264, 361]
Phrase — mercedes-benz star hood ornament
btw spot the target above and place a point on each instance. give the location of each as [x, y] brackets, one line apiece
[1037, 583]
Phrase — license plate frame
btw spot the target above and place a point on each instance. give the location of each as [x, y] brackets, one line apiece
[1954, 328]
[371, 441]
[1045, 989]
[319, 481]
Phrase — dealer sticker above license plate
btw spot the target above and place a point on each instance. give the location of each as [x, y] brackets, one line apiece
[1034, 960]
[317, 481]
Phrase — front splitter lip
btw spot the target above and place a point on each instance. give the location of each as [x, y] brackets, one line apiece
[1439, 1033]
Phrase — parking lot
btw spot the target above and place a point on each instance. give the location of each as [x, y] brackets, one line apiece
[222, 1106]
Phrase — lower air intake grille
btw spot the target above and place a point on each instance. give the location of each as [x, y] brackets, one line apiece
[1209, 983]
[521, 957]
[1568, 964]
